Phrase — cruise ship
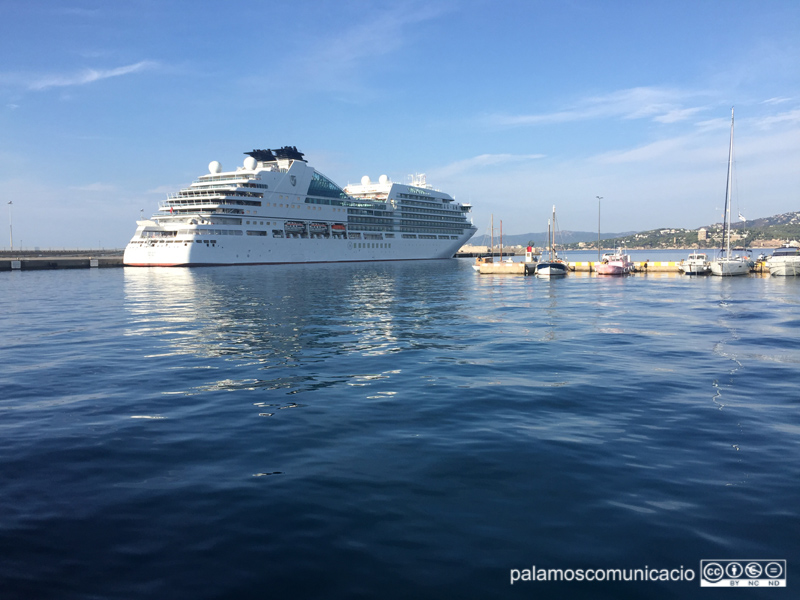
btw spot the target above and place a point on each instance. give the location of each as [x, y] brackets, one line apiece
[277, 209]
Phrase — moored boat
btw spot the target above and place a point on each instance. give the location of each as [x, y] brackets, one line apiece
[696, 264]
[785, 261]
[616, 263]
[727, 264]
[552, 266]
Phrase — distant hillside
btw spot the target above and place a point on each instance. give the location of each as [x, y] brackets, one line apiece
[748, 233]
[743, 233]
[539, 239]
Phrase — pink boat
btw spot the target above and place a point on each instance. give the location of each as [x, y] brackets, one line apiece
[615, 264]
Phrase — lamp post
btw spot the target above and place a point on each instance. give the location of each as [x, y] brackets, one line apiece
[598, 226]
[10, 226]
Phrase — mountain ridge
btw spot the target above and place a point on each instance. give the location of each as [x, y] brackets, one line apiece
[781, 226]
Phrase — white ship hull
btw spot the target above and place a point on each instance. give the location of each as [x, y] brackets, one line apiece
[259, 251]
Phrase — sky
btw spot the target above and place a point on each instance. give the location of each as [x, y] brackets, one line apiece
[512, 106]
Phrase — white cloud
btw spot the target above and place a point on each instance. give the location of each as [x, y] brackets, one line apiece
[96, 187]
[87, 76]
[482, 161]
[786, 118]
[776, 101]
[662, 105]
[647, 152]
[673, 116]
[38, 83]
[338, 63]
[165, 189]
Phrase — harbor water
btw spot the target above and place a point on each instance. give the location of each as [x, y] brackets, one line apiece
[392, 430]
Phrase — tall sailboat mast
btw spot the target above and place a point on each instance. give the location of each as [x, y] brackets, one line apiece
[726, 225]
[491, 233]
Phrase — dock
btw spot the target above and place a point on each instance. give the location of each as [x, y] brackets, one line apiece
[59, 259]
[507, 268]
[528, 268]
[648, 266]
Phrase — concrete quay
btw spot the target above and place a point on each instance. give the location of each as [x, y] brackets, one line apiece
[650, 266]
[507, 268]
[34, 261]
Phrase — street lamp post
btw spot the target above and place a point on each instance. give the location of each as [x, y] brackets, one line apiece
[10, 226]
[598, 226]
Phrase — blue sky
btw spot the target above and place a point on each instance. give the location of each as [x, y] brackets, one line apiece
[513, 106]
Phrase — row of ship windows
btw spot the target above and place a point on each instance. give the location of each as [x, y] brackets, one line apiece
[415, 197]
[438, 223]
[439, 205]
[276, 205]
[355, 227]
[436, 213]
[371, 245]
[180, 202]
[362, 227]
[264, 233]
[337, 202]
[206, 178]
[219, 191]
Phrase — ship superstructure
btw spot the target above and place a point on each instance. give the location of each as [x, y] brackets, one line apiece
[277, 209]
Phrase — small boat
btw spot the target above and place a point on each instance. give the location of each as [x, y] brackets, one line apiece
[727, 264]
[553, 266]
[785, 261]
[696, 264]
[482, 260]
[616, 263]
[295, 227]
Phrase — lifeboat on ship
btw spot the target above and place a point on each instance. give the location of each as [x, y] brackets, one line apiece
[295, 227]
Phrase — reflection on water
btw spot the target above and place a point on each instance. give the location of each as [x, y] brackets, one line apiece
[289, 318]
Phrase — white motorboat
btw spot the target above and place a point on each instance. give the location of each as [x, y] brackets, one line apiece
[785, 261]
[696, 264]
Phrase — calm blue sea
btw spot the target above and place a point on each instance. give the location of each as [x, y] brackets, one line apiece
[392, 430]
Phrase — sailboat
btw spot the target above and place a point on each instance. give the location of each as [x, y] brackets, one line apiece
[553, 266]
[482, 260]
[726, 264]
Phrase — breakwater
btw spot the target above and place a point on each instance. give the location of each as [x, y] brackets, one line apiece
[59, 259]
[520, 268]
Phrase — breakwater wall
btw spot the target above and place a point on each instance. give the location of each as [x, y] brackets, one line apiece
[58, 260]
[641, 267]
